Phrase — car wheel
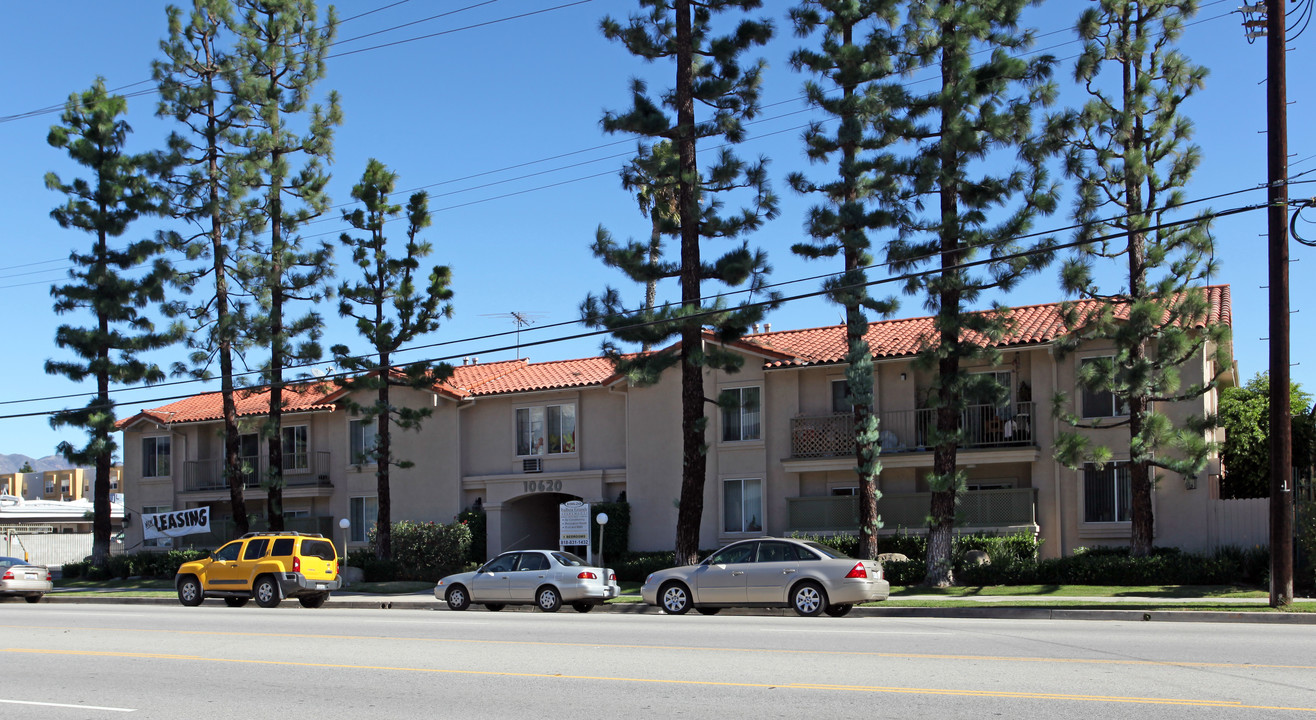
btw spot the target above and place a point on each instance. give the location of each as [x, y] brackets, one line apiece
[808, 599]
[266, 592]
[674, 598]
[313, 601]
[33, 598]
[494, 607]
[582, 607]
[189, 592]
[548, 599]
[235, 601]
[458, 598]
[838, 610]
[708, 610]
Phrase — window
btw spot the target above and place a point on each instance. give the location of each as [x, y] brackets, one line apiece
[283, 547]
[532, 561]
[155, 457]
[741, 553]
[841, 396]
[256, 549]
[549, 430]
[1106, 493]
[364, 511]
[742, 506]
[741, 422]
[296, 448]
[361, 440]
[50, 487]
[229, 552]
[1100, 404]
[837, 491]
[156, 542]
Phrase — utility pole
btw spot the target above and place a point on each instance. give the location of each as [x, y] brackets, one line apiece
[1281, 435]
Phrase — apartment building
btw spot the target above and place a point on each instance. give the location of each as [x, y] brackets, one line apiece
[517, 438]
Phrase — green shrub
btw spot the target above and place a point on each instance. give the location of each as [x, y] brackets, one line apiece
[476, 520]
[636, 566]
[423, 550]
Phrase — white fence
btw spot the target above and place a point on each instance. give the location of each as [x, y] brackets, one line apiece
[1241, 523]
[50, 549]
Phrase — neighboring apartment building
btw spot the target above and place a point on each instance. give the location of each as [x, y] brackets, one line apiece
[20, 484]
[518, 438]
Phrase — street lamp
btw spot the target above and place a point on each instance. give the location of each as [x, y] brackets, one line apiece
[601, 519]
[345, 524]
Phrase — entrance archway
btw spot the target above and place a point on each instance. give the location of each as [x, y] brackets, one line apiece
[531, 521]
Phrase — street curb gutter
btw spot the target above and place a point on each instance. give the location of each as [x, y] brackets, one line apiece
[410, 602]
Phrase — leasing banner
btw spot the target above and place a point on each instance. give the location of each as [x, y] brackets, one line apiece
[175, 524]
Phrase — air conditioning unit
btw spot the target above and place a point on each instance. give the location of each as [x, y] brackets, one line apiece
[532, 465]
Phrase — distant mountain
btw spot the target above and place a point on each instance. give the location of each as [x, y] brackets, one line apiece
[12, 463]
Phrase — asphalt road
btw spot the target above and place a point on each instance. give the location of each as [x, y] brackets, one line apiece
[104, 661]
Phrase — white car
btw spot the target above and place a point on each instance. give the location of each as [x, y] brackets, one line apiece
[20, 578]
[544, 578]
[769, 572]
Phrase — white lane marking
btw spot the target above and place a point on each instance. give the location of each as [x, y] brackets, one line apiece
[852, 632]
[62, 705]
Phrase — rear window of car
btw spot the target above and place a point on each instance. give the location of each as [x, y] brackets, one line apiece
[827, 552]
[322, 549]
[282, 547]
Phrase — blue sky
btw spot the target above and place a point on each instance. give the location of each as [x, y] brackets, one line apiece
[498, 117]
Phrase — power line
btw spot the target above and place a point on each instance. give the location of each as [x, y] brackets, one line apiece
[595, 333]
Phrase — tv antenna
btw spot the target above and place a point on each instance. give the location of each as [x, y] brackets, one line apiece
[521, 319]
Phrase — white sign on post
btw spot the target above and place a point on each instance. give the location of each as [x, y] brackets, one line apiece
[573, 524]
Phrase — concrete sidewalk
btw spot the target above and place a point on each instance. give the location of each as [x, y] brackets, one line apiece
[1012, 607]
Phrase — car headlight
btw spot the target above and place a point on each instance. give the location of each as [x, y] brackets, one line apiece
[646, 580]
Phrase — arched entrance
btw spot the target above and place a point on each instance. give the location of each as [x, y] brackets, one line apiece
[531, 521]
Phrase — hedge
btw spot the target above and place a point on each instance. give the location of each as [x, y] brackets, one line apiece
[143, 564]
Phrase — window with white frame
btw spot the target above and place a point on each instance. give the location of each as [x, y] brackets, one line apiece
[296, 447]
[155, 456]
[361, 438]
[156, 542]
[741, 421]
[1102, 404]
[363, 512]
[546, 430]
[742, 506]
[1107, 496]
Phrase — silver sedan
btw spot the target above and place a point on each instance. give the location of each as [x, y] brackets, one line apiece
[19, 578]
[544, 578]
[769, 572]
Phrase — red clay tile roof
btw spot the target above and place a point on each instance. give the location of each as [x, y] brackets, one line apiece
[1033, 324]
[308, 397]
[791, 348]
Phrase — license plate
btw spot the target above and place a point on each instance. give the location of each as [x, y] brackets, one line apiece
[31, 576]
[319, 586]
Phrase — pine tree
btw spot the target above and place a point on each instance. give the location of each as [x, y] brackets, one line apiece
[121, 190]
[706, 72]
[1131, 159]
[193, 80]
[842, 224]
[392, 311]
[972, 184]
[652, 175]
[279, 57]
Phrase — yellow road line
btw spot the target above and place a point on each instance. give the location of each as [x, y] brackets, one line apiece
[1189, 702]
[693, 648]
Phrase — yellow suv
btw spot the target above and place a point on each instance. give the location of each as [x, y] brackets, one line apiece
[267, 566]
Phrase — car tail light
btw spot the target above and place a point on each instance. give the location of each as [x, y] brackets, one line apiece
[612, 577]
[587, 575]
[858, 571]
[296, 564]
[48, 576]
[9, 575]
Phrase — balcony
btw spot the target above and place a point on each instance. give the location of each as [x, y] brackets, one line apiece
[1012, 508]
[983, 426]
[299, 470]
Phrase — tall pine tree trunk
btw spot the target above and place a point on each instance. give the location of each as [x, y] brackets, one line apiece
[1140, 470]
[384, 502]
[694, 461]
[274, 494]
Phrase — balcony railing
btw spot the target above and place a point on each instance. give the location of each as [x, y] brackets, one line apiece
[818, 436]
[299, 470]
[1012, 507]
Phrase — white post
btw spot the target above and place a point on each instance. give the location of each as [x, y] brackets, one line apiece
[345, 524]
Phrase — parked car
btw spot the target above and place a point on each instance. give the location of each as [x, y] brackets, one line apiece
[20, 578]
[266, 566]
[769, 572]
[544, 578]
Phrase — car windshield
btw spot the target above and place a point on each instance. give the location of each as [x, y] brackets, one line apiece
[569, 559]
[827, 552]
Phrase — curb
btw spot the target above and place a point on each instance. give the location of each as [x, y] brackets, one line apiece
[410, 602]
